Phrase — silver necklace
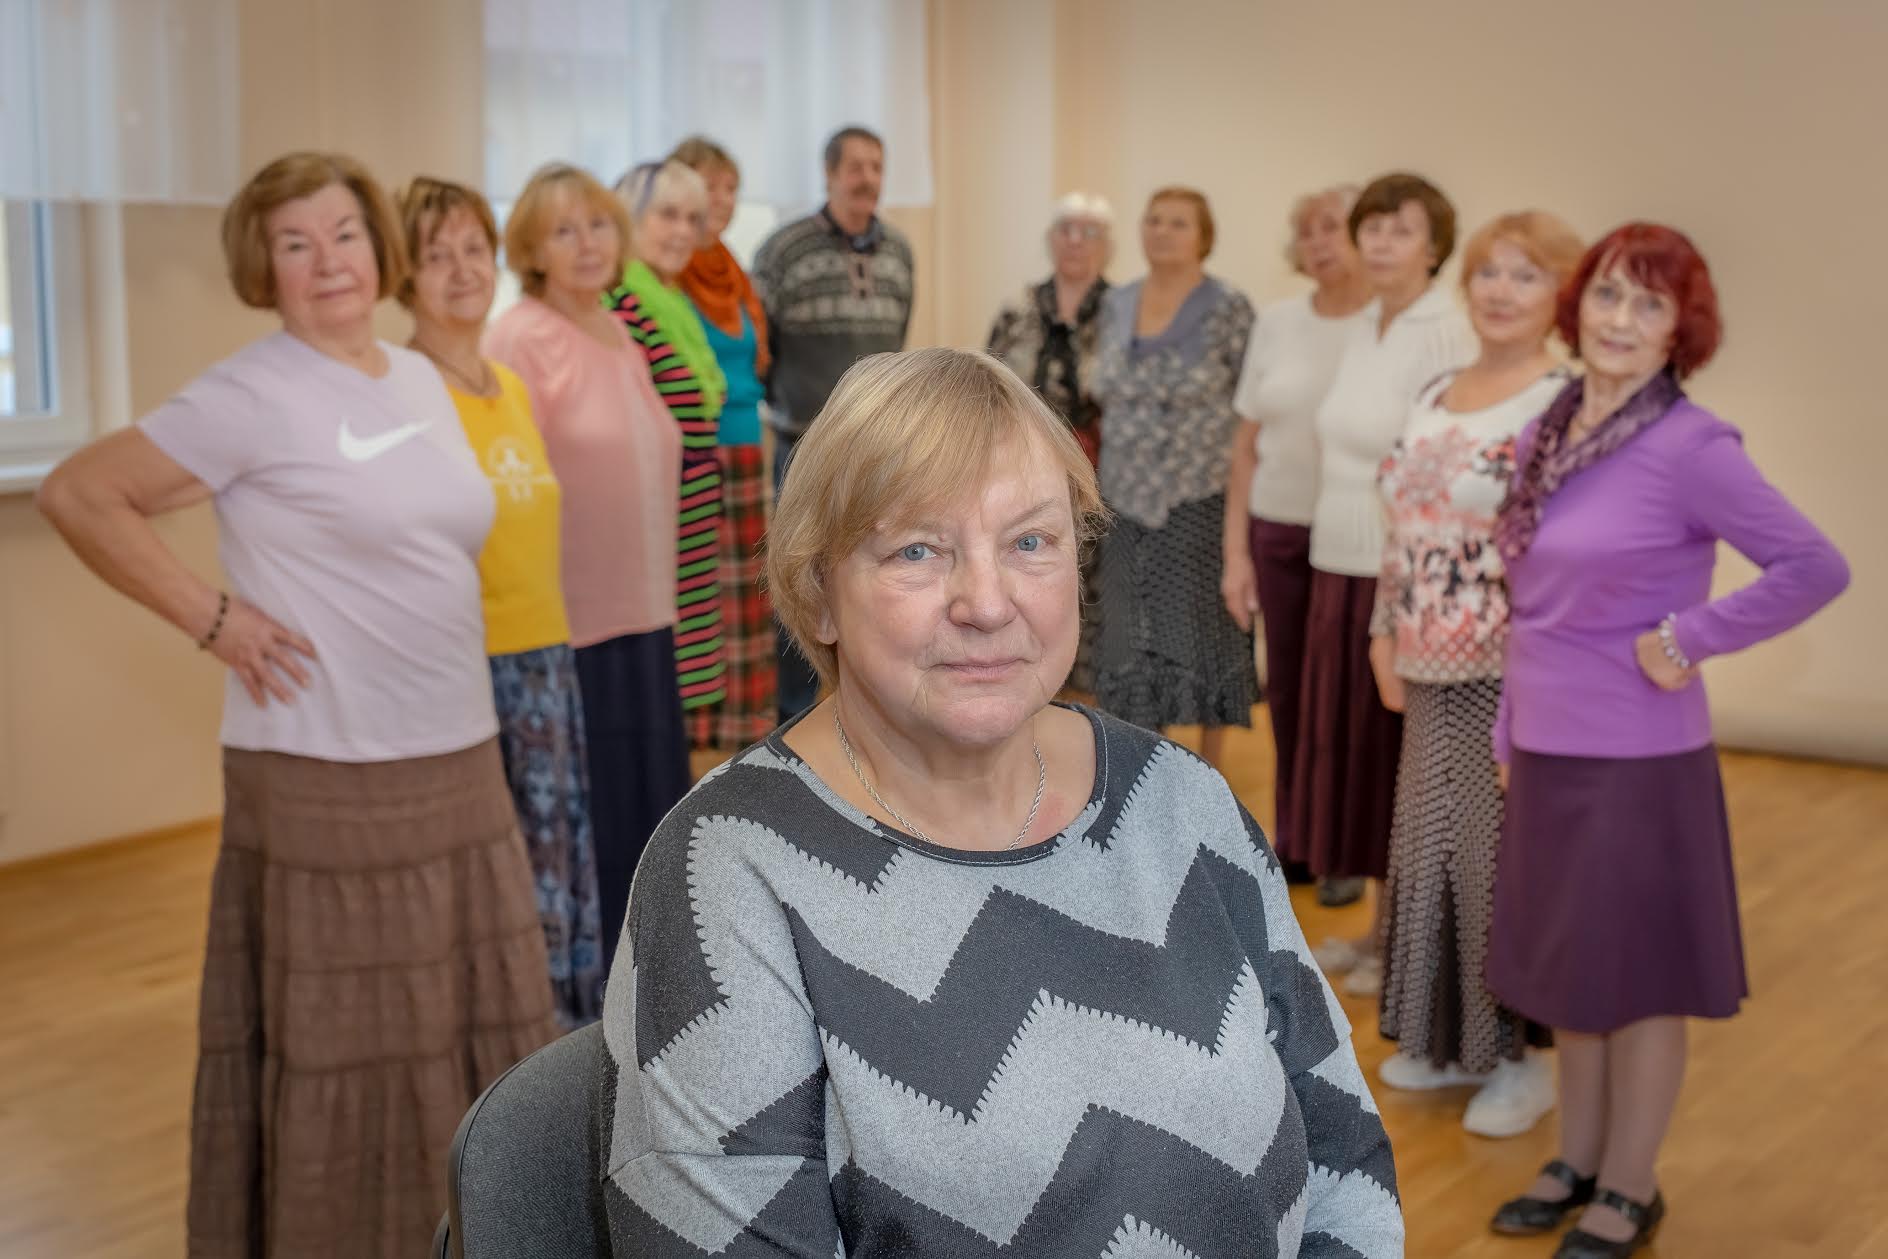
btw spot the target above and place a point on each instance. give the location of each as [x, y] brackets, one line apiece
[1042, 781]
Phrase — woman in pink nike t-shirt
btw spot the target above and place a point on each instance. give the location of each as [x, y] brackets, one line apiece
[374, 951]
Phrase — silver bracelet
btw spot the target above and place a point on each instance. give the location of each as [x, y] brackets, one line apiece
[1668, 641]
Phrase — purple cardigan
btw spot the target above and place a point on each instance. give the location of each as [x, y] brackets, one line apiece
[1623, 544]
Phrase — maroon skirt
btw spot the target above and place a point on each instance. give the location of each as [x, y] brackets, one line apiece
[1281, 562]
[1344, 776]
[1614, 895]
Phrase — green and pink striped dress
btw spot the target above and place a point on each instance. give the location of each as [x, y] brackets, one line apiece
[660, 319]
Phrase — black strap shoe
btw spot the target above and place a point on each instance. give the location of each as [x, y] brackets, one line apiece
[1643, 1216]
[1529, 1217]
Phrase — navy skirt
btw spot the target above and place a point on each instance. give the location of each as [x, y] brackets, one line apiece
[638, 755]
[1615, 899]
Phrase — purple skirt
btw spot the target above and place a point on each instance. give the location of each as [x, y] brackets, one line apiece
[1344, 769]
[1614, 895]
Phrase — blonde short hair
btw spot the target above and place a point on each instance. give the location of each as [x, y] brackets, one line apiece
[290, 178]
[902, 434]
[530, 219]
[1342, 196]
[1545, 238]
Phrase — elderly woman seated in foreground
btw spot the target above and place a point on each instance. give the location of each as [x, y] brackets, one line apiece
[945, 967]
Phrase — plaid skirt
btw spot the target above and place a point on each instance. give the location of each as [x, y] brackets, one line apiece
[749, 709]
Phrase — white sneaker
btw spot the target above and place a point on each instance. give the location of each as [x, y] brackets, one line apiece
[1514, 1099]
[1337, 956]
[1365, 978]
[1401, 1071]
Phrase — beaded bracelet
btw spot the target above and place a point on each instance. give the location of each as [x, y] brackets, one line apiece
[1668, 641]
[216, 626]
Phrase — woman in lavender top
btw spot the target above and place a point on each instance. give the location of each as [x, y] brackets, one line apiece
[1615, 910]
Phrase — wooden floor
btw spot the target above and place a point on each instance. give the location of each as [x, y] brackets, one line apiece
[1780, 1147]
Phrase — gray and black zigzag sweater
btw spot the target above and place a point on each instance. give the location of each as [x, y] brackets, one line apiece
[828, 1038]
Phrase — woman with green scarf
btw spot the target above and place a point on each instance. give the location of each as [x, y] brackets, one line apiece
[668, 205]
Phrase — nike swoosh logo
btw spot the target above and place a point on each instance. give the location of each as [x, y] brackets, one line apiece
[361, 449]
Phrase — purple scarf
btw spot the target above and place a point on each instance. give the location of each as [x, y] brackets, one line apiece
[1552, 460]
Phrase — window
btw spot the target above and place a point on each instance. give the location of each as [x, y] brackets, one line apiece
[102, 103]
[46, 400]
[25, 384]
[608, 83]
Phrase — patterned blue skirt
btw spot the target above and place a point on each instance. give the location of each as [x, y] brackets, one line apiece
[541, 734]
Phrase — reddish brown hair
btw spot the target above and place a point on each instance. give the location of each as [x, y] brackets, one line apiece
[425, 205]
[290, 178]
[1201, 211]
[1662, 259]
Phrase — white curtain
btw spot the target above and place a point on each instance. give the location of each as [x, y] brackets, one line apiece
[608, 83]
[118, 100]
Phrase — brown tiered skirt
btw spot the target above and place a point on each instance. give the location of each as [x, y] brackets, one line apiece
[374, 961]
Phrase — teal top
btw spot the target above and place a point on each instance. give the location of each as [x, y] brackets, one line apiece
[740, 410]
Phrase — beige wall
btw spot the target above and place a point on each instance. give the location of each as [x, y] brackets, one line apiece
[1754, 127]
[1750, 125]
[108, 718]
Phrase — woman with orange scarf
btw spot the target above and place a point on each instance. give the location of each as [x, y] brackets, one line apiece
[737, 332]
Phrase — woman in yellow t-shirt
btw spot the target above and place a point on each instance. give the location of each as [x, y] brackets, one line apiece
[452, 240]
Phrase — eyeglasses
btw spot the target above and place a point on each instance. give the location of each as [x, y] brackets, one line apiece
[1079, 231]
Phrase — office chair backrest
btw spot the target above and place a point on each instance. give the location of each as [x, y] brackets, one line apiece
[523, 1177]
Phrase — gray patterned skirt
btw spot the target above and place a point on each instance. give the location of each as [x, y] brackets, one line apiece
[1168, 652]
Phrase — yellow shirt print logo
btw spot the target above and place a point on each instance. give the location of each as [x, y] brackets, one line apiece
[509, 466]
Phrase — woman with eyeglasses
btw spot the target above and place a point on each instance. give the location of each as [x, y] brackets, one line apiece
[615, 453]
[1047, 335]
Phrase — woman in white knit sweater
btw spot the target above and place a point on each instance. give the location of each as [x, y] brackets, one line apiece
[1348, 742]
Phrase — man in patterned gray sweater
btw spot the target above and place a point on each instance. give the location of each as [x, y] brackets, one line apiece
[836, 286]
[847, 1029]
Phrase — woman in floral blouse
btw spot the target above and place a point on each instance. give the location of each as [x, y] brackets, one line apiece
[1437, 636]
[1171, 347]
[1047, 336]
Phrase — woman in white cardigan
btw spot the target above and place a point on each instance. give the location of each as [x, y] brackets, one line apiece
[1344, 778]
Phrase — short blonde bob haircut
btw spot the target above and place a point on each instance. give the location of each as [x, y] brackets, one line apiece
[425, 205]
[1340, 197]
[902, 435]
[530, 220]
[1545, 238]
[290, 178]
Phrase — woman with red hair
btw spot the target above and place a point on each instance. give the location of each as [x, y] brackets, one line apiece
[1615, 910]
